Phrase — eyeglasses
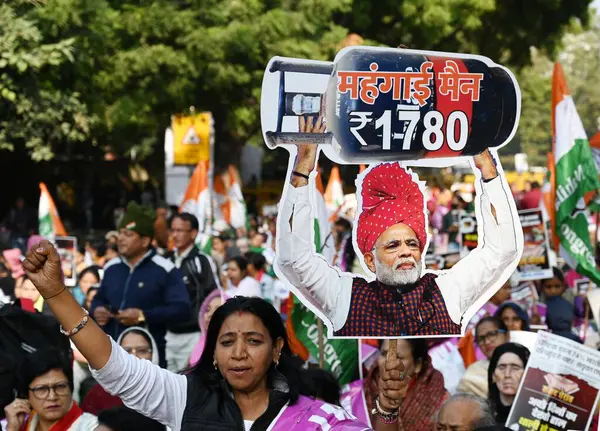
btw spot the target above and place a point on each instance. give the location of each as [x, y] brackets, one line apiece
[140, 350]
[490, 336]
[393, 246]
[42, 392]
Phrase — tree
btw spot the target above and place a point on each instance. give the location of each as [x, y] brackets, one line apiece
[580, 58]
[503, 30]
[125, 66]
[35, 112]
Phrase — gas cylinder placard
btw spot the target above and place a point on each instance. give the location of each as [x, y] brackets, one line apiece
[392, 109]
[384, 104]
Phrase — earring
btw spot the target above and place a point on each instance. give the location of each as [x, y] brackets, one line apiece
[215, 364]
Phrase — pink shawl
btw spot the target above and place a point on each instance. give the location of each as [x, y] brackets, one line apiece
[199, 347]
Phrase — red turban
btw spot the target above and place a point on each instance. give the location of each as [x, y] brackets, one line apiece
[389, 196]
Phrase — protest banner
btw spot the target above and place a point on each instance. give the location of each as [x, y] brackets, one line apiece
[66, 246]
[535, 262]
[559, 388]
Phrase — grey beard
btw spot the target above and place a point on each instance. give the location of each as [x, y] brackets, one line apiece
[389, 276]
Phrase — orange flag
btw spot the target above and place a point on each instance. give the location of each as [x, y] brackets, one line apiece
[197, 196]
[50, 224]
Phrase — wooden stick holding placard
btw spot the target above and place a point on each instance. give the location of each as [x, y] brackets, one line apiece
[392, 352]
[321, 344]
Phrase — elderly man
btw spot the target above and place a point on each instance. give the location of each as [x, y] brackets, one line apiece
[391, 234]
[464, 412]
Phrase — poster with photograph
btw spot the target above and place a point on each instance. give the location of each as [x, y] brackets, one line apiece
[393, 109]
[559, 389]
[66, 247]
[535, 262]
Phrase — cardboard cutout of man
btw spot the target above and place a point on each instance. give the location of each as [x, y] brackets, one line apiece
[391, 234]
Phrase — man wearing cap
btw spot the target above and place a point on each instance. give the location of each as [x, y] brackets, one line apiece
[391, 234]
[140, 288]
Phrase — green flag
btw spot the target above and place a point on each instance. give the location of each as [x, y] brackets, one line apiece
[576, 174]
[341, 356]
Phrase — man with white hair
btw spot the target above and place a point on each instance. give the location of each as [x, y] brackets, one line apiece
[464, 412]
[391, 234]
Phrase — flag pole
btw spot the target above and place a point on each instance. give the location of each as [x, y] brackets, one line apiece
[321, 344]
[211, 182]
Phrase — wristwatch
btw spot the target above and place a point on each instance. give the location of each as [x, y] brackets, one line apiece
[142, 318]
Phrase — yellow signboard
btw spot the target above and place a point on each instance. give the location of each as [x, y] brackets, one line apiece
[191, 138]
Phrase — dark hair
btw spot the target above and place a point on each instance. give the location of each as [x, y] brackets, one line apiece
[186, 217]
[342, 222]
[557, 273]
[491, 319]
[112, 246]
[518, 310]
[39, 363]
[518, 349]
[139, 332]
[419, 350]
[535, 185]
[269, 316]
[124, 419]
[321, 384]
[94, 270]
[240, 262]
[257, 260]
[3, 268]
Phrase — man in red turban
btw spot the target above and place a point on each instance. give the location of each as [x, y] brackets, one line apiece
[391, 235]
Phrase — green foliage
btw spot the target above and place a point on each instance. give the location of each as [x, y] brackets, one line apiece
[36, 113]
[580, 59]
[77, 72]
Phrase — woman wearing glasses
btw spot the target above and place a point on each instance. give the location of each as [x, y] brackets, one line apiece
[135, 341]
[45, 399]
[490, 333]
[507, 366]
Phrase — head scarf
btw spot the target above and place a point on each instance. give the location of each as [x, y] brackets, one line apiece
[199, 347]
[519, 312]
[501, 411]
[389, 196]
[150, 337]
[560, 316]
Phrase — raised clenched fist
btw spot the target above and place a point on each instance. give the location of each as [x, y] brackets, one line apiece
[42, 266]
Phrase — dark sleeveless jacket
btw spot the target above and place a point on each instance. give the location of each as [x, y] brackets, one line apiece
[215, 409]
[377, 310]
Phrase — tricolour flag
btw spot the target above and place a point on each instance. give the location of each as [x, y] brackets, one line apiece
[197, 200]
[230, 205]
[50, 225]
[334, 193]
[576, 175]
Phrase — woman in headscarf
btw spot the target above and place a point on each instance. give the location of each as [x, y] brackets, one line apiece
[136, 341]
[507, 366]
[513, 316]
[246, 377]
[212, 301]
[426, 392]
[45, 396]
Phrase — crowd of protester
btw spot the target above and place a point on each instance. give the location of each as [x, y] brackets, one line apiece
[154, 291]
